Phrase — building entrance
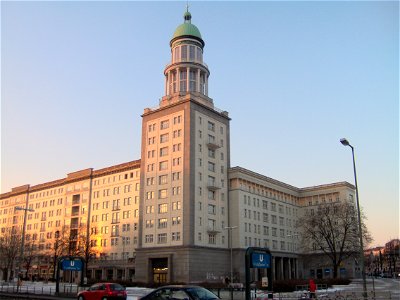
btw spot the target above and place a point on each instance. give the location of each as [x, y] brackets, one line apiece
[160, 270]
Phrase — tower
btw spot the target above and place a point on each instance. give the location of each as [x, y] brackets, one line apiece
[184, 172]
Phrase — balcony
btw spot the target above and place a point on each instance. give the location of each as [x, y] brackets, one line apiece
[115, 221]
[75, 201]
[212, 230]
[212, 186]
[116, 208]
[75, 213]
[213, 145]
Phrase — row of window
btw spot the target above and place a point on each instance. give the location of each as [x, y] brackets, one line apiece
[187, 53]
[163, 207]
[116, 204]
[162, 237]
[164, 124]
[115, 191]
[163, 222]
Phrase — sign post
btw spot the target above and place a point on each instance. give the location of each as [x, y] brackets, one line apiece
[259, 258]
[69, 263]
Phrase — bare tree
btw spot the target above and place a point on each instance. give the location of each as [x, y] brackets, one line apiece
[59, 247]
[31, 254]
[332, 230]
[10, 243]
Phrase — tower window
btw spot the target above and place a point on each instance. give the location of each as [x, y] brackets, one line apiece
[184, 53]
[191, 53]
[192, 81]
[182, 81]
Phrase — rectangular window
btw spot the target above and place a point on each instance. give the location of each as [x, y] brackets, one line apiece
[149, 209]
[162, 223]
[182, 80]
[211, 166]
[211, 126]
[162, 208]
[164, 138]
[163, 179]
[164, 151]
[162, 194]
[176, 161]
[211, 209]
[164, 124]
[176, 147]
[184, 52]
[177, 133]
[161, 238]
[176, 220]
[176, 190]
[177, 120]
[176, 176]
[176, 205]
[149, 223]
[163, 165]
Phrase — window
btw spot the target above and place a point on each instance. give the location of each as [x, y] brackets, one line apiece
[164, 124]
[163, 165]
[177, 119]
[162, 208]
[163, 179]
[161, 238]
[212, 239]
[211, 153]
[176, 220]
[177, 133]
[176, 205]
[211, 166]
[176, 236]
[162, 194]
[164, 138]
[176, 161]
[164, 151]
[176, 176]
[149, 195]
[162, 223]
[176, 147]
[182, 79]
[211, 126]
[211, 209]
[176, 190]
[149, 209]
[149, 223]
[150, 181]
[148, 238]
[192, 80]
[184, 53]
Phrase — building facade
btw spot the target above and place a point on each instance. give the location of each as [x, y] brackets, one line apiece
[175, 214]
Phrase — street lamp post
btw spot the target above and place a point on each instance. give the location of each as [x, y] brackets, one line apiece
[21, 254]
[230, 228]
[345, 142]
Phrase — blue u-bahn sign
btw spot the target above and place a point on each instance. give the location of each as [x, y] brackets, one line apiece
[74, 264]
[260, 260]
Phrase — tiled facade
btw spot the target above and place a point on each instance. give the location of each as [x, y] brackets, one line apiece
[165, 217]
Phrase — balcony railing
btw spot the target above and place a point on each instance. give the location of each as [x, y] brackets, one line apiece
[213, 145]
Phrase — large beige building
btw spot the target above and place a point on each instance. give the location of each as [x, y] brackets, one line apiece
[175, 214]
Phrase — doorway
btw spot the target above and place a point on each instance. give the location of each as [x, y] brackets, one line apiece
[160, 270]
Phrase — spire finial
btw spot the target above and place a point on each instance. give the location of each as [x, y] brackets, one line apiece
[187, 16]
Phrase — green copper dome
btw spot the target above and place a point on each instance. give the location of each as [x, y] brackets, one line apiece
[187, 29]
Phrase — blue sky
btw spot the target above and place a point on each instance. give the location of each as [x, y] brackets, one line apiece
[295, 77]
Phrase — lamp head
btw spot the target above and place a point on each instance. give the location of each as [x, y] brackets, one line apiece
[344, 142]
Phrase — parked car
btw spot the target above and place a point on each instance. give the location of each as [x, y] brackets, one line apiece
[180, 292]
[103, 291]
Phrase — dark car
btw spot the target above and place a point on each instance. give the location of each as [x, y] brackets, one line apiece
[103, 291]
[180, 292]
